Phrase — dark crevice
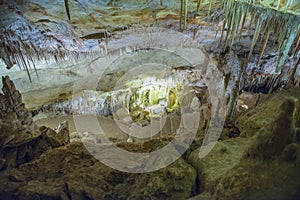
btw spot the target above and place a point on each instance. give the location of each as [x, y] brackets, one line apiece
[197, 187]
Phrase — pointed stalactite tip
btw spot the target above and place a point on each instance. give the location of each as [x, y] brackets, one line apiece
[67, 9]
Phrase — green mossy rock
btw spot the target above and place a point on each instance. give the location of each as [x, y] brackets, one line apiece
[271, 139]
[253, 166]
[250, 122]
[71, 172]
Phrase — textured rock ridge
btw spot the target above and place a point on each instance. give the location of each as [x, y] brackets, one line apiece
[15, 119]
[20, 139]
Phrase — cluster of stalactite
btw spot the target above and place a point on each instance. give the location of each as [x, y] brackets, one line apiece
[269, 22]
[278, 19]
[23, 43]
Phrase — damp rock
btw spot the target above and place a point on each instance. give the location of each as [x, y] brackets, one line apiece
[173, 182]
[71, 171]
[297, 114]
[291, 152]
[250, 122]
[54, 138]
[224, 156]
[2, 163]
[21, 140]
[250, 166]
[298, 134]
[273, 137]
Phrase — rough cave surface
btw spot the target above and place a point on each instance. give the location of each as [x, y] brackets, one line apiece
[44, 165]
[257, 155]
[21, 139]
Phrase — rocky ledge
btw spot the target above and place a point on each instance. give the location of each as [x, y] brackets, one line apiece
[261, 162]
[21, 140]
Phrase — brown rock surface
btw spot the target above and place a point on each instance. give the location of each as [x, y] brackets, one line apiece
[71, 172]
[254, 165]
[48, 167]
[248, 167]
[20, 139]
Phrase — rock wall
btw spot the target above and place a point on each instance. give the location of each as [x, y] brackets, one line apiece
[20, 139]
[252, 166]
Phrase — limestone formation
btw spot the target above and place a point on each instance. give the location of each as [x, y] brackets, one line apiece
[20, 139]
[16, 123]
[272, 138]
[252, 166]
[70, 172]
[261, 158]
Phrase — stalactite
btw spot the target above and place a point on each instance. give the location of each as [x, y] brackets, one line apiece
[181, 13]
[264, 44]
[245, 14]
[198, 5]
[296, 50]
[228, 31]
[236, 23]
[209, 8]
[24, 48]
[255, 36]
[222, 34]
[282, 21]
[185, 12]
[286, 48]
[67, 9]
[292, 76]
